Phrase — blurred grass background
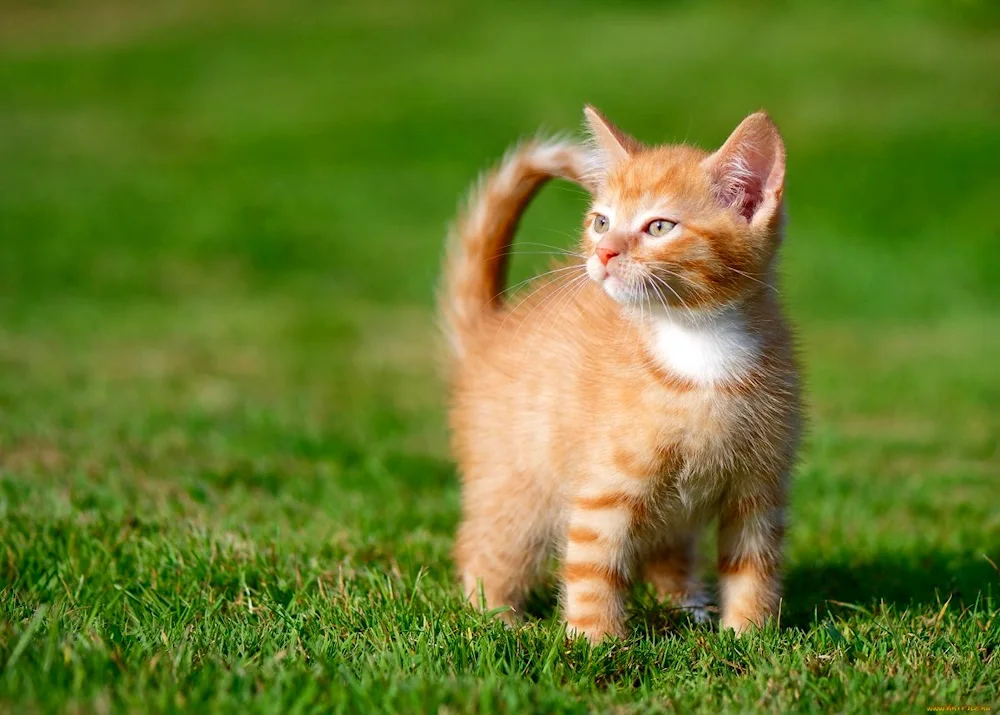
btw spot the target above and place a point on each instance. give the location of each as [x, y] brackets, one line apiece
[224, 479]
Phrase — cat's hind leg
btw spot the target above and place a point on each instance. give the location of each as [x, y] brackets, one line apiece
[672, 568]
[502, 545]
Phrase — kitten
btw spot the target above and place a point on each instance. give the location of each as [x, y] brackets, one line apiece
[651, 387]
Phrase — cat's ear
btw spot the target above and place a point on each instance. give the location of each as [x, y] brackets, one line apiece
[610, 146]
[748, 172]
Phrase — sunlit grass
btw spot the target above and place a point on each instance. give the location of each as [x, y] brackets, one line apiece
[224, 478]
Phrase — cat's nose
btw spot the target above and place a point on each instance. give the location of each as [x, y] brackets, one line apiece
[606, 254]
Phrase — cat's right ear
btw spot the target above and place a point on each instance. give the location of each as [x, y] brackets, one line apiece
[748, 172]
[610, 146]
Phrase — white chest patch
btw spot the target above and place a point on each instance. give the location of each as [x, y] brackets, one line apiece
[706, 348]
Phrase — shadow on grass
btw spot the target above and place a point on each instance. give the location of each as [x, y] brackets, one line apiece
[812, 590]
[897, 580]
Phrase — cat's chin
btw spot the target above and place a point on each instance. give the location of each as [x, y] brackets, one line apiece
[613, 286]
[616, 289]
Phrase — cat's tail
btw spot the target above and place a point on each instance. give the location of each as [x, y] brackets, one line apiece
[475, 267]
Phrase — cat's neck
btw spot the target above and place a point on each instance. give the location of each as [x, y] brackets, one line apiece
[706, 347]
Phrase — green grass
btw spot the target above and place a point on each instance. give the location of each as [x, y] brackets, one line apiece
[224, 478]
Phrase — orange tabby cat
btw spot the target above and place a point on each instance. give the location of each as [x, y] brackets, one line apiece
[650, 387]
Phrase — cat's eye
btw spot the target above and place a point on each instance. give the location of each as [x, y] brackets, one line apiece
[601, 223]
[659, 227]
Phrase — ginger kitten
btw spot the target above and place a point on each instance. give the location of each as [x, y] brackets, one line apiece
[648, 388]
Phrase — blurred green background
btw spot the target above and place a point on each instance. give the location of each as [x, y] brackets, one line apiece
[220, 231]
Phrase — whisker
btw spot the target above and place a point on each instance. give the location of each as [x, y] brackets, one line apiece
[659, 293]
[544, 300]
[628, 318]
[566, 234]
[514, 252]
[691, 313]
[555, 280]
[510, 289]
[554, 248]
[571, 188]
[642, 301]
[666, 305]
[756, 280]
[568, 294]
[513, 309]
[666, 267]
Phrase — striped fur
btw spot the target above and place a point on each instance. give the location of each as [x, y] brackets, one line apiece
[479, 244]
[611, 413]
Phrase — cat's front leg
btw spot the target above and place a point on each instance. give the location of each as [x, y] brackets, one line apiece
[597, 567]
[751, 532]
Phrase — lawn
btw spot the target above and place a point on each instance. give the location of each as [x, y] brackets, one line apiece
[224, 476]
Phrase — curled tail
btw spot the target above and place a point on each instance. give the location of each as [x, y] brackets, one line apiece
[479, 244]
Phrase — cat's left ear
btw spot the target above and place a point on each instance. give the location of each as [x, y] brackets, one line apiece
[610, 146]
[748, 172]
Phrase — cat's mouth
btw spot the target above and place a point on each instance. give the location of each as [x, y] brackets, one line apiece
[599, 272]
[610, 279]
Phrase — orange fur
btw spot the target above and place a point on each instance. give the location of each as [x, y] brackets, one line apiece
[617, 408]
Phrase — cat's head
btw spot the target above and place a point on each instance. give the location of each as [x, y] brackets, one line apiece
[675, 225]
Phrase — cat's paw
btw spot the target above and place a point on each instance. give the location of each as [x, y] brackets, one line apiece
[595, 632]
[698, 607]
[742, 624]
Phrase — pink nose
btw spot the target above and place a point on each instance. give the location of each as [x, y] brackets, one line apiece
[606, 254]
